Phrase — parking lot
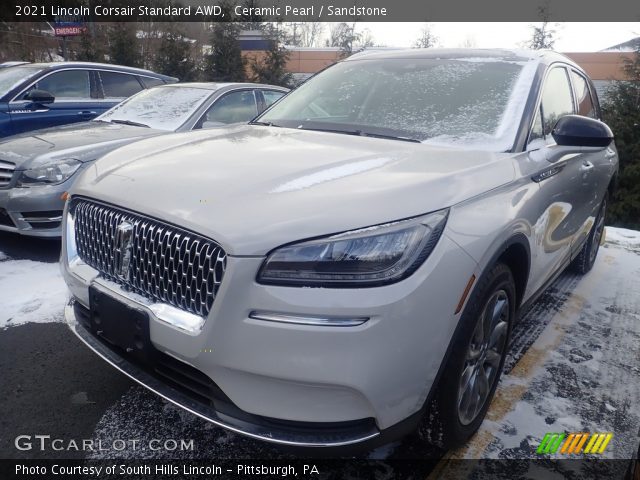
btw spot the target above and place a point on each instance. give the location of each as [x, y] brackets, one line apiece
[573, 367]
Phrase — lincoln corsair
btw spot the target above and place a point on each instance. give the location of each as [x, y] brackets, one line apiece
[356, 255]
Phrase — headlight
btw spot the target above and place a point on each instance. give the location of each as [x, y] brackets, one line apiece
[49, 174]
[360, 258]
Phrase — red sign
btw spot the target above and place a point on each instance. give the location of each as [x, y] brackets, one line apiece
[69, 31]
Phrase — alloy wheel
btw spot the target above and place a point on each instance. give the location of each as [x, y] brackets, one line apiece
[483, 358]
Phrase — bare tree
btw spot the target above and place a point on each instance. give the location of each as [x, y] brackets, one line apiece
[303, 34]
[364, 40]
[469, 42]
[343, 35]
[311, 34]
[427, 38]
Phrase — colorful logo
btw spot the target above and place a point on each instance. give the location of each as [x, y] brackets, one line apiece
[573, 443]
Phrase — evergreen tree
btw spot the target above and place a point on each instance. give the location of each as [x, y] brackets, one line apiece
[123, 45]
[271, 68]
[225, 63]
[174, 56]
[90, 47]
[543, 36]
[621, 111]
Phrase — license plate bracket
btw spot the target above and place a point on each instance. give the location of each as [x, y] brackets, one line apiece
[120, 325]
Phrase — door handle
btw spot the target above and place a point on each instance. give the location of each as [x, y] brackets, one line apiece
[87, 112]
[586, 166]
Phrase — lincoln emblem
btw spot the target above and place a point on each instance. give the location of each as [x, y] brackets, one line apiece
[122, 250]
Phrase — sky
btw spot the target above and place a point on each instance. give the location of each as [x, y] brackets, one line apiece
[570, 36]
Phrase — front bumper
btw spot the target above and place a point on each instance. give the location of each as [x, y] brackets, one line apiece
[34, 211]
[307, 375]
[293, 433]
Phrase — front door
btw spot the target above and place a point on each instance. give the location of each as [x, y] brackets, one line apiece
[73, 103]
[561, 212]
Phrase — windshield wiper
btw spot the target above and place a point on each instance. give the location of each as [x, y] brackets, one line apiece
[130, 122]
[360, 133]
[266, 124]
[389, 137]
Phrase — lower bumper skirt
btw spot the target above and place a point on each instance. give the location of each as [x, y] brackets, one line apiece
[297, 434]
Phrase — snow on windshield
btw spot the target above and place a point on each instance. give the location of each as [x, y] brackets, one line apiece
[468, 102]
[513, 102]
[162, 108]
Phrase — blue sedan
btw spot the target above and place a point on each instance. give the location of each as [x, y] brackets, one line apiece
[40, 95]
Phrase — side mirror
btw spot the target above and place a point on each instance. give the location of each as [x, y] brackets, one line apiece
[39, 96]
[578, 131]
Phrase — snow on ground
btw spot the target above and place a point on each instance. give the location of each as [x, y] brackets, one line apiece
[580, 374]
[30, 292]
[625, 238]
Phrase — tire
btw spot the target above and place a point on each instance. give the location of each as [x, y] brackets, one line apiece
[447, 423]
[589, 251]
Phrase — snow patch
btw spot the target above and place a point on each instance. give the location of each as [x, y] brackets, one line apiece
[625, 238]
[30, 292]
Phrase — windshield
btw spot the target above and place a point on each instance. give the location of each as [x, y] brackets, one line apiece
[162, 108]
[11, 77]
[450, 101]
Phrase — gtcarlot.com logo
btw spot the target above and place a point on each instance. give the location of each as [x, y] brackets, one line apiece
[574, 443]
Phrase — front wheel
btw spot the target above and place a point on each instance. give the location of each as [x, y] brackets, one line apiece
[474, 366]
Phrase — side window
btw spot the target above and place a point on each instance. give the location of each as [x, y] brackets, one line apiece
[119, 85]
[271, 96]
[583, 96]
[536, 129]
[151, 82]
[233, 107]
[557, 100]
[66, 84]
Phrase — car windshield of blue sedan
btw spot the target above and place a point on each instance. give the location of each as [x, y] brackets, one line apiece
[162, 108]
[467, 102]
[11, 77]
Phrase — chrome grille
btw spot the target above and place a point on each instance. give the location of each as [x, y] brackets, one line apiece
[168, 264]
[6, 172]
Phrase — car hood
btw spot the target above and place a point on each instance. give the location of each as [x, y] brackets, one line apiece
[84, 141]
[253, 188]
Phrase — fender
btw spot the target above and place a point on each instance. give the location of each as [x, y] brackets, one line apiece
[518, 239]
